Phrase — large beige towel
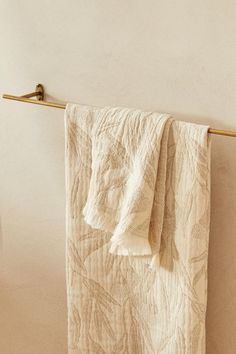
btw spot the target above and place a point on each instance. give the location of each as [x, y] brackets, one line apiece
[119, 304]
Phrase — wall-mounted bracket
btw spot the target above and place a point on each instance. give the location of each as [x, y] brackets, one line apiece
[38, 93]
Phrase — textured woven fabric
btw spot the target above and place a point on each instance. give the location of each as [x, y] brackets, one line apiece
[128, 157]
[119, 304]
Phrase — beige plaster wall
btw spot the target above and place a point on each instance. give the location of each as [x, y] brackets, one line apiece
[174, 56]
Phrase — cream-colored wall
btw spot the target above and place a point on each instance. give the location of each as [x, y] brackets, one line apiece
[174, 56]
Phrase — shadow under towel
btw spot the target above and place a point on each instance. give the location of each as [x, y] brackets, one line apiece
[137, 186]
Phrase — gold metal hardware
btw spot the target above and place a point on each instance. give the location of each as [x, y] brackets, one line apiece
[39, 94]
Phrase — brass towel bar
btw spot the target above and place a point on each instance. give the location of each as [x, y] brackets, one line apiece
[39, 94]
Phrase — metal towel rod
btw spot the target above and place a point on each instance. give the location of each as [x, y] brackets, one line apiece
[39, 94]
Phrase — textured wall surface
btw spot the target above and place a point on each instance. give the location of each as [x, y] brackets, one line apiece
[176, 57]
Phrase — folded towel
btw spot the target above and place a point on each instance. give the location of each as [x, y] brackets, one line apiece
[128, 158]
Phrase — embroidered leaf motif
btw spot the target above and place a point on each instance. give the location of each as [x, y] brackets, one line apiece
[201, 257]
[76, 324]
[74, 201]
[75, 257]
[199, 274]
[102, 321]
[139, 337]
[149, 279]
[99, 293]
[87, 312]
[94, 241]
[96, 347]
[92, 235]
[136, 344]
[190, 293]
[109, 262]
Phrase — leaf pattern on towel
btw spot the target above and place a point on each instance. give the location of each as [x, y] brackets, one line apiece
[119, 305]
[75, 258]
[75, 325]
[99, 293]
[102, 323]
[93, 241]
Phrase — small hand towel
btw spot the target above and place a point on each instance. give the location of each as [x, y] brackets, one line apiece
[128, 178]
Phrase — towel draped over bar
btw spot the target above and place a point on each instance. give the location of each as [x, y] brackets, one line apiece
[122, 304]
